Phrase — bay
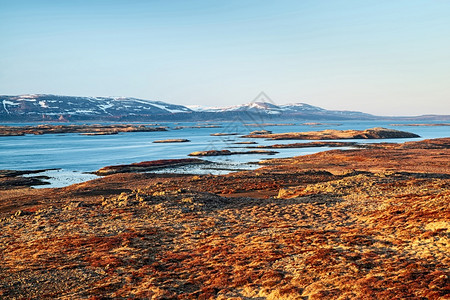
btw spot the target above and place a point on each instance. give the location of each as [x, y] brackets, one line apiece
[75, 155]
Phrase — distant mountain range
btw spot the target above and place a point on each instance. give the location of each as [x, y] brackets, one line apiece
[43, 107]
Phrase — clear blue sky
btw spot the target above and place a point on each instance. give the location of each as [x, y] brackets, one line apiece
[388, 57]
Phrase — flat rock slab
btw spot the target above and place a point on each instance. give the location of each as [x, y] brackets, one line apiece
[172, 141]
[373, 133]
[228, 152]
[224, 134]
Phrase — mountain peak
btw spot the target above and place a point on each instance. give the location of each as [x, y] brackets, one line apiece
[48, 107]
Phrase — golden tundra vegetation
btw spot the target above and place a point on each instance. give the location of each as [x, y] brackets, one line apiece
[343, 224]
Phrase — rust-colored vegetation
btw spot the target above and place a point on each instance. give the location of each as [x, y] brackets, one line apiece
[327, 226]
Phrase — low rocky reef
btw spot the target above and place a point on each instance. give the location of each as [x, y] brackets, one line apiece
[228, 152]
[372, 133]
[94, 129]
[172, 141]
[10, 179]
[148, 166]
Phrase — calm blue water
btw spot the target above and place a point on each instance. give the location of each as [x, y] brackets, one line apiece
[75, 154]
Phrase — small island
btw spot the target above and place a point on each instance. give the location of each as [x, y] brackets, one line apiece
[228, 152]
[224, 134]
[373, 133]
[172, 141]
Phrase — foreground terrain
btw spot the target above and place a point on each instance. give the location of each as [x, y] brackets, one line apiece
[354, 224]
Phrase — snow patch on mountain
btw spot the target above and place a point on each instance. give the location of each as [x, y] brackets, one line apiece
[43, 104]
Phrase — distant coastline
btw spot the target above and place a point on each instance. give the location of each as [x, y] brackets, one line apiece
[55, 108]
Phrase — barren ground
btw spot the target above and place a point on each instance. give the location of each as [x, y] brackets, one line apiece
[353, 224]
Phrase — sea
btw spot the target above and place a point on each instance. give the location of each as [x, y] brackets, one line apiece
[73, 157]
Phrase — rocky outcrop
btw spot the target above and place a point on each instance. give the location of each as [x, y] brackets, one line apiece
[373, 133]
[223, 134]
[148, 166]
[13, 179]
[260, 132]
[172, 141]
[228, 152]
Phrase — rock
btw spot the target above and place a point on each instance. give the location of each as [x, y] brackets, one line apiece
[223, 134]
[257, 132]
[148, 166]
[172, 141]
[245, 143]
[228, 152]
[100, 133]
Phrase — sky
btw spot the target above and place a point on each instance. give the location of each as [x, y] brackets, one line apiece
[382, 57]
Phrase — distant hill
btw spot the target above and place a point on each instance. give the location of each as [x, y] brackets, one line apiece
[43, 107]
[53, 107]
[293, 110]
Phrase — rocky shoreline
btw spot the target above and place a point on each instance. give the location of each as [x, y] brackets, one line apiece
[81, 129]
[370, 223]
[10, 179]
[148, 166]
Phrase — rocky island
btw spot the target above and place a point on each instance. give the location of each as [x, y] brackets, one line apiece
[228, 152]
[343, 224]
[172, 141]
[330, 134]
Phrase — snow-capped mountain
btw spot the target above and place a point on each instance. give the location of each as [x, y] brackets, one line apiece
[273, 109]
[27, 108]
[266, 107]
[49, 106]
[300, 107]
